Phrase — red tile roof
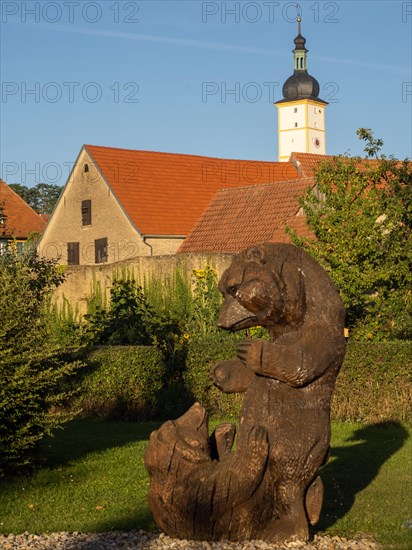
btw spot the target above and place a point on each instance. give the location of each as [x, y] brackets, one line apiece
[306, 163]
[298, 224]
[20, 219]
[238, 218]
[165, 193]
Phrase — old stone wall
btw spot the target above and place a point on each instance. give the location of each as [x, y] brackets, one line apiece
[80, 278]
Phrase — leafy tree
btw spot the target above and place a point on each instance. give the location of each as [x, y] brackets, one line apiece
[31, 367]
[361, 215]
[42, 197]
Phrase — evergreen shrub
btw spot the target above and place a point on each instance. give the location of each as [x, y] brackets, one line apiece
[32, 367]
[121, 382]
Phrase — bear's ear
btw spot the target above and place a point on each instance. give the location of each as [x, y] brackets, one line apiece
[256, 254]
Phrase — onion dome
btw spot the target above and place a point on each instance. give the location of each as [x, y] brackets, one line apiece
[301, 85]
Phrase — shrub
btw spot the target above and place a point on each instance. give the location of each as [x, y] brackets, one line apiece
[127, 320]
[31, 366]
[121, 382]
[203, 353]
[375, 383]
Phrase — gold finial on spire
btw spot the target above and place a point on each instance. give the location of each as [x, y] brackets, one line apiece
[299, 16]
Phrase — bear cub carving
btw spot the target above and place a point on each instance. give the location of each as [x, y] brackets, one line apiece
[268, 488]
[288, 379]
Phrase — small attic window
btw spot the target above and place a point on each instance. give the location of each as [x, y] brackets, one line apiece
[85, 168]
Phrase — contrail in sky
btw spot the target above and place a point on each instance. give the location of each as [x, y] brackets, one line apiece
[221, 46]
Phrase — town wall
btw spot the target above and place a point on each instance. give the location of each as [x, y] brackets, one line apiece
[81, 278]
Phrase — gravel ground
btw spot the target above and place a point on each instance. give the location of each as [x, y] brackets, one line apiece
[140, 540]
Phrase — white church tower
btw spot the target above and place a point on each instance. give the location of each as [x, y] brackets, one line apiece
[301, 114]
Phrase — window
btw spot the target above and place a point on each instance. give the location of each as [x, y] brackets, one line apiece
[73, 256]
[86, 212]
[3, 246]
[296, 124]
[85, 168]
[295, 109]
[100, 250]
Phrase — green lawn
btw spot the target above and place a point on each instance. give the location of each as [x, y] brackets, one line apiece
[94, 479]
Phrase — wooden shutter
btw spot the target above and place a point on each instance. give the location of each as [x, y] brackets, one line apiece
[86, 212]
[100, 250]
[73, 255]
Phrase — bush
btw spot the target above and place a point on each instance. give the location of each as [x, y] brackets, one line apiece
[127, 320]
[121, 382]
[32, 368]
[375, 383]
[203, 353]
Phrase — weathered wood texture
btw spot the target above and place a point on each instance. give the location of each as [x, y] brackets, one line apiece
[268, 488]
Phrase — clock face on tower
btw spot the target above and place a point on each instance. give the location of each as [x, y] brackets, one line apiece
[317, 142]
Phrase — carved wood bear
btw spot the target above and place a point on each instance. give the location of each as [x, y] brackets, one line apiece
[268, 488]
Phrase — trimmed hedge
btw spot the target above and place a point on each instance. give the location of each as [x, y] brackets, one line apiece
[121, 382]
[374, 383]
[133, 383]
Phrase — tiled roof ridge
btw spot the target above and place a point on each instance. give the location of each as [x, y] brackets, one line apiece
[86, 145]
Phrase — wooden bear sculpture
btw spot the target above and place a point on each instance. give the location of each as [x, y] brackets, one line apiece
[268, 487]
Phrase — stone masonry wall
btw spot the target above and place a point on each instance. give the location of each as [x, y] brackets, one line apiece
[79, 281]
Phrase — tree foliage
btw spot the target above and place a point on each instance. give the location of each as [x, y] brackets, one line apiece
[42, 197]
[31, 368]
[360, 212]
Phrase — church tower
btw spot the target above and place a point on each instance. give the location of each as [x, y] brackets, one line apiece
[301, 114]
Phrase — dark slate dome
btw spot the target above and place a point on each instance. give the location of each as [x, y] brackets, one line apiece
[300, 86]
[300, 42]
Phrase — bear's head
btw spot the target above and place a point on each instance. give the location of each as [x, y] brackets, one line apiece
[264, 286]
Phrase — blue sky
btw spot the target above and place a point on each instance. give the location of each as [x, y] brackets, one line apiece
[193, 77]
